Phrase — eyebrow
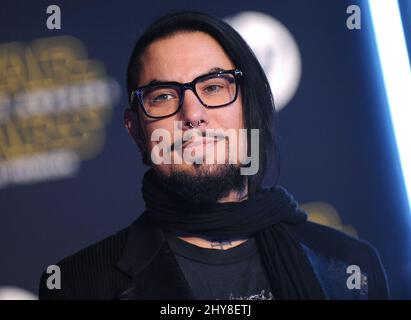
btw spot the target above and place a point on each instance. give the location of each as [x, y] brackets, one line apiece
[212, 70]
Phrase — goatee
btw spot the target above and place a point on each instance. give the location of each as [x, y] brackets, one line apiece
[206, 186]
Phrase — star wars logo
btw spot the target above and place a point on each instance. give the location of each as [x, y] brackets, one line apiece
[54, 105]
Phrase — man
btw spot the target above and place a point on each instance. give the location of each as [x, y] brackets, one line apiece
[210, 231]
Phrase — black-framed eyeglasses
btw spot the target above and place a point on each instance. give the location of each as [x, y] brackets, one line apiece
[164, 99]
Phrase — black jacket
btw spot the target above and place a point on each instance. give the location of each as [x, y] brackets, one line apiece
[138, 259]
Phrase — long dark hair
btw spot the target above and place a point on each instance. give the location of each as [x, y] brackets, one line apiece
[257, 100]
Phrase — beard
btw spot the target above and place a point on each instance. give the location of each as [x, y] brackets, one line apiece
[206, 185]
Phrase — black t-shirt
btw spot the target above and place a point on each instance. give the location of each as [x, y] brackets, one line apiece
[232, 274]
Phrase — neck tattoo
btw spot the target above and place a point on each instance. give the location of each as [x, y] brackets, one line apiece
[220, 244]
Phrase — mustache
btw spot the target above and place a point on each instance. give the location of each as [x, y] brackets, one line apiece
[203, 134]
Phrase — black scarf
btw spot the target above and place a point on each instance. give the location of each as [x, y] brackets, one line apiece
[265, 215]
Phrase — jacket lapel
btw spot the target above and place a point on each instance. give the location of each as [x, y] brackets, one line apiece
[151, 265]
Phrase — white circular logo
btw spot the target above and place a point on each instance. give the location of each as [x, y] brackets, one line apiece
[14, 293]
[275, 49]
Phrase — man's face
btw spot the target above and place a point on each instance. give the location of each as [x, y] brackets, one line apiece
[183, 57]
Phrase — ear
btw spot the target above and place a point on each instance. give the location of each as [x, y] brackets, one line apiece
[134, 129]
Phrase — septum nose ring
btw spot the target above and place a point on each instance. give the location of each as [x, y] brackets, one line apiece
[190, 124]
